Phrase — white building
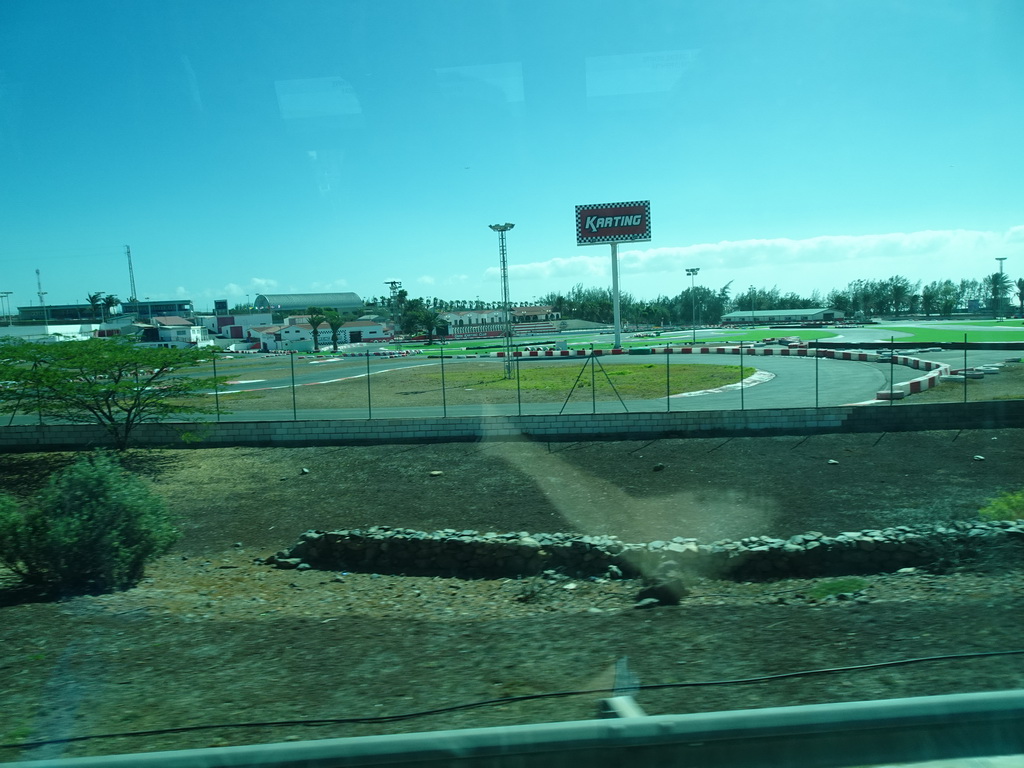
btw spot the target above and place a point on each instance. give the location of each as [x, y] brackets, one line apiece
[298, 336]
[171, 329]
[763, 316]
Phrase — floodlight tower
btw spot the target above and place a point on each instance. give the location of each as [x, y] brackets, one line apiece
[999, 296]
[395, 286]
[501, 229]
[692, 272]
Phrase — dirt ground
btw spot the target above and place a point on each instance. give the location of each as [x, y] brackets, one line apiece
[212, 638]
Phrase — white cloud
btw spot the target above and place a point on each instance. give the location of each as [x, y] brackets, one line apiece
[332, 286]
[426, 280]
[234, 290]
[801, 265]
[263, 285]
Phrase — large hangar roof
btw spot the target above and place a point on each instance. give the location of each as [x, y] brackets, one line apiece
[339, 301]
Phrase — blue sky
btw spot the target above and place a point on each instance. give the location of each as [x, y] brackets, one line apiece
[294, 146]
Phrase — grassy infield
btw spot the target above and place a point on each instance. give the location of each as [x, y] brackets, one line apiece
[470, 383]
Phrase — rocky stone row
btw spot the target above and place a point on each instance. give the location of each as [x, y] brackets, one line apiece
[472, 554]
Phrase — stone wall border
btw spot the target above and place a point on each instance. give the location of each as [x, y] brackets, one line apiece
[471, 554]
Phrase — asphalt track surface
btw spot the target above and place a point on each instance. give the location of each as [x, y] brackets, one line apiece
[769, 382]
[791, 382]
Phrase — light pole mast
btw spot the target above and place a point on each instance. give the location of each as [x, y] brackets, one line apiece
[6, 295]
[395, 286]
[131, 274]
[42, 301]
[501, 229]
[999, 295]
[692, 272]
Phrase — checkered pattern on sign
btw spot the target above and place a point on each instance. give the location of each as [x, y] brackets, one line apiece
[643, 207]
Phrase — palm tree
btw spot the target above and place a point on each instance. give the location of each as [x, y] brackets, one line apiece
[96, 303]
[110, 301]
[316, 319]
[334, 322]
[997, 285]
[432, 322]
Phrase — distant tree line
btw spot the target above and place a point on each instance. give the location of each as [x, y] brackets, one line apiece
[894, 296]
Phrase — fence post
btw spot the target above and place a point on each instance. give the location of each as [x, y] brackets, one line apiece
[816, 355]
[444, 392]
[743, 406]
[965, 368]
[369, 399]
[892, 367]
[216, 387]
[668, 383]
[519, 394]
[295, 406]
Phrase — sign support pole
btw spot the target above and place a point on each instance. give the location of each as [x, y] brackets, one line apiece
[613, 223]
[615, 296]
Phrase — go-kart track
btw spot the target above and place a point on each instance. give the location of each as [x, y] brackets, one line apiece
[778, 377]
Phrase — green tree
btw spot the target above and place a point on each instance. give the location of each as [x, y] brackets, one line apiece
[91, 529]
[997, 286]
[317, 317]
[111, 382]
[411, 318]
[334, 322]
[96, 304]
[433, 323]
[1019, 285]
[109, 302]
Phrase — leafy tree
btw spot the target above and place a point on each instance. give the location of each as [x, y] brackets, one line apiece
[111, 382]
[91, 529]
[410, 320]
[334, 322]
[1019, 285]
[317, 317]
[899, 293]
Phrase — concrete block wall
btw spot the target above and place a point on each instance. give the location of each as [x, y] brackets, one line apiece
[603, 426]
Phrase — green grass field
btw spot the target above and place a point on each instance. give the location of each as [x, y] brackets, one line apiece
[474, 383]
[927, 333]
[940, 333]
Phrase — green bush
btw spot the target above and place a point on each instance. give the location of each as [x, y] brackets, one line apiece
[837, 587]
[1009, 506]
[91, 529]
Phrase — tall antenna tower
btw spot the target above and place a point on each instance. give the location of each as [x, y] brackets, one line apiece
[41, 294]
[131, 273]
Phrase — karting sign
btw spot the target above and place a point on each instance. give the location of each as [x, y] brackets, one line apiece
[613, 222]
